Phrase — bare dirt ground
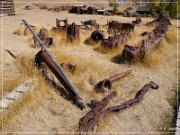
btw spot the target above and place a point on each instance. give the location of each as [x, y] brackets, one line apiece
[44, 110]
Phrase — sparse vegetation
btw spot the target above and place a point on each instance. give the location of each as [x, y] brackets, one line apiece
[100, 48]
[23, 31]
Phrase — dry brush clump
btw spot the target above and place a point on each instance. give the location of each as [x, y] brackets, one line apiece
[23, 31]
[59, 37]
[153, 25]
[26, 68]
[100, 48]
[91, 42]
[171, 35]
[9, 85]
[26, 65]
[155, 57]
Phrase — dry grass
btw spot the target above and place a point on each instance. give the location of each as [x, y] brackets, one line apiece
[15, 107]
[90, 41]
[22, 30]
[10, 85]
[30, 42]
[74, 41]
[171, 35]
[32, 97]
[59, 37]
[135, 39]
[158, 56]
[26, 67]
[100, 48]
[155, 57]
[87, 73]
[153, 25]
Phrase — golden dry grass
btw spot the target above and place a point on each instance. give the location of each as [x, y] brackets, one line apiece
[171, 35]
[32, 96]
[59, 37]
[9, 85]
[84, 71]
[25, 65]
[23, 31]
[90, 41]
[88, 72]
[135, 39]
[153, 25]
[14, 108]
[154, 58]
[100, 48]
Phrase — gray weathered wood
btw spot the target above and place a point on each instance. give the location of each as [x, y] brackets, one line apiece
[4, 103]
[17, 93]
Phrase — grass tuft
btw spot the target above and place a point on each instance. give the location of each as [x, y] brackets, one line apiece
[156, 57]
[22, 30]
[100, 48]
[26, 65]
[90, 41]
[171, 35]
